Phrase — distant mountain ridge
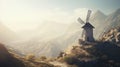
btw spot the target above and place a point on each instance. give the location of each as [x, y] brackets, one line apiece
[98, 19]
[98, 15]
[114, 18]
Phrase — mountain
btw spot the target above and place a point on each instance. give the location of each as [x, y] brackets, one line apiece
[6, 34]
[114, 19]
[38, 48]
[51, 29]
[98, 16]
[42, 40]
[45, 31]
[49, 39]
[98, 19]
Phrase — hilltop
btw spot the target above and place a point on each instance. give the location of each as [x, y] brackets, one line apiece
[101, 53]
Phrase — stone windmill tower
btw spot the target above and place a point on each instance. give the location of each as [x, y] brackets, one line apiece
[87, 34]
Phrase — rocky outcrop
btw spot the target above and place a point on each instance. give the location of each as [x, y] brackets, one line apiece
[113, 35]
[98, 54]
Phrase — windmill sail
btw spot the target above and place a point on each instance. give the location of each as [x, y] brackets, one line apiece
[80, 21]
[88, 16]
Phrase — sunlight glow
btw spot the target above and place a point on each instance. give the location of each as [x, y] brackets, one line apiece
[23, 17]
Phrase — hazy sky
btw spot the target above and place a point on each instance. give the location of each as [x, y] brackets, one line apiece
[26, 14]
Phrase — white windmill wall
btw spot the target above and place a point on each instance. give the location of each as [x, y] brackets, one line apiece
[88, 34]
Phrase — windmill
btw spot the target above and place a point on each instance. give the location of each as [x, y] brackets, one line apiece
[87, 34]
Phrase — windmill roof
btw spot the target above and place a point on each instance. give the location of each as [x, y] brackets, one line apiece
[88, 25]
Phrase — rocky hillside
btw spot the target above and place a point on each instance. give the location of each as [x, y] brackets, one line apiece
[99, 54]
[102, 53]
[10, 59]
[7, 60]
[112, 35]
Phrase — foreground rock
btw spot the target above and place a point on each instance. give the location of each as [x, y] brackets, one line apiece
[7, 60]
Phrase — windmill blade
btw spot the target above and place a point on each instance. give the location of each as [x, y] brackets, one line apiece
[88, 15]
[80, 21]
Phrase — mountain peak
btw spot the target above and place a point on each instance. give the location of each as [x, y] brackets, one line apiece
[114, 14]
[98, 12]
[114, 18]
[98, 15]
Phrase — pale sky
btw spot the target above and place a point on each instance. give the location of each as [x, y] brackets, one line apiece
[27, 14]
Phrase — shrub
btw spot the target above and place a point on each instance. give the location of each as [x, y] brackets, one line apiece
[30, 57]
[70, 60]
[43, 58]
